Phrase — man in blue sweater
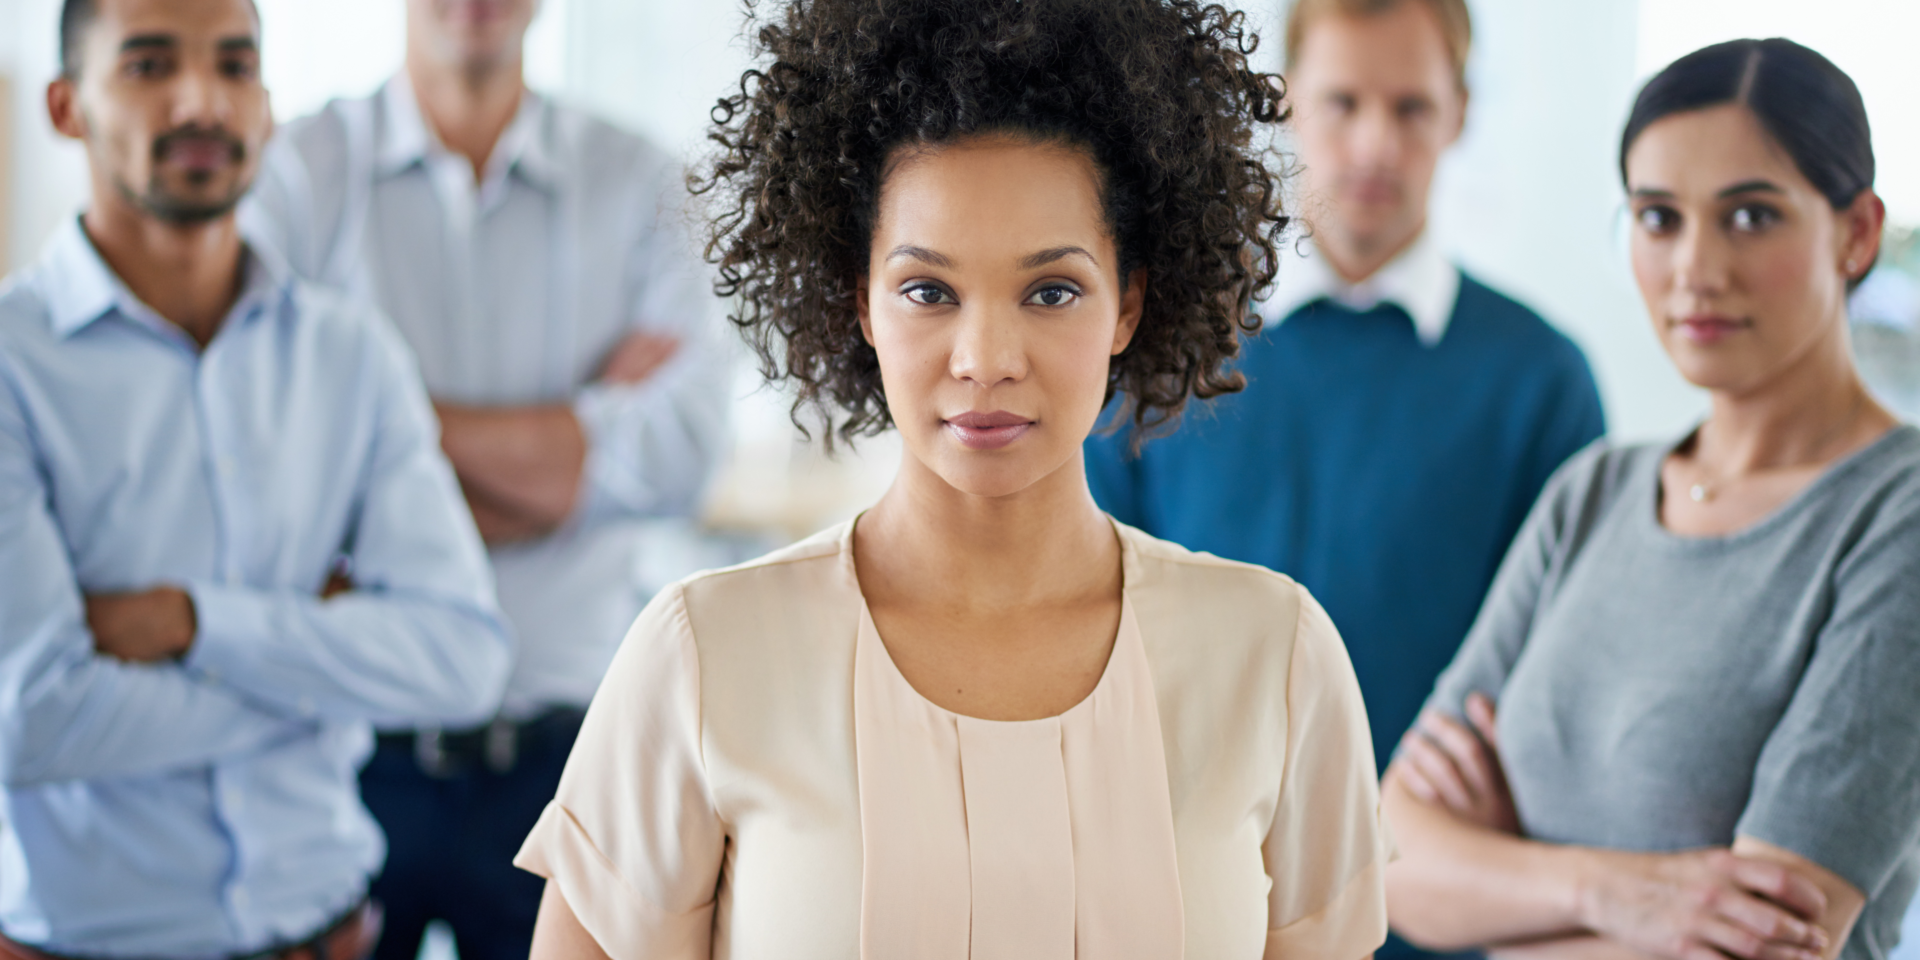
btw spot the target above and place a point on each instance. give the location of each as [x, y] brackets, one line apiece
[1399, 417]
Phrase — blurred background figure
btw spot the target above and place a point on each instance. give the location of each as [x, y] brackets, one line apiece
[536, 260]
[195, 448]
[1400, 416]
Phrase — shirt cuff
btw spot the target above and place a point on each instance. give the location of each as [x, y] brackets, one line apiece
[233, 627]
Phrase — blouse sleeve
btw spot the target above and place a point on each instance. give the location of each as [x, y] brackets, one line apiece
[632, 838]
[1328, 846]
[1838, 781]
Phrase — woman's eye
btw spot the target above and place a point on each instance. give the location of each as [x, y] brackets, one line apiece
[1053, 296]
[1657, 219]
[1753, 218]
[929, 295]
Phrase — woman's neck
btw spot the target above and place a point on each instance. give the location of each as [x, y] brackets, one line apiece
[927, 543]
[1815, 411]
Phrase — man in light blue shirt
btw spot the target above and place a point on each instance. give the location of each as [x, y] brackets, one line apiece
[228, 540]
[538, 262]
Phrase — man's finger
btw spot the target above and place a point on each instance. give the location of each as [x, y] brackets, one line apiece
[638, 356]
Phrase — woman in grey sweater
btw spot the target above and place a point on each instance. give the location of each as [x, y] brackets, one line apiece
[1686, 724]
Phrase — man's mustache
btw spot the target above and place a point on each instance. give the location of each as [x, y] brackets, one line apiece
[164, 144]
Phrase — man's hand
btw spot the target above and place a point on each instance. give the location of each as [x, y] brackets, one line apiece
[147, 627]
[1445, 763]
[637, 357]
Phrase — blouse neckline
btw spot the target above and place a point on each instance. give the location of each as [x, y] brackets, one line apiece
[969, 826]
[1128, 625]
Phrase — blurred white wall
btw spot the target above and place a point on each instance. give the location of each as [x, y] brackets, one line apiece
[1529, 200]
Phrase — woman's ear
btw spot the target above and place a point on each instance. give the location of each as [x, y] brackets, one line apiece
[1132, 303]
[1861, 226]
[862, 309]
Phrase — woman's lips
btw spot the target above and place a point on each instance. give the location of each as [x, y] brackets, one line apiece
[988, 431]
[1709, 328]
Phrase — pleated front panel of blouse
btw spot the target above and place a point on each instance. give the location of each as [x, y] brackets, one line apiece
[1038, 840]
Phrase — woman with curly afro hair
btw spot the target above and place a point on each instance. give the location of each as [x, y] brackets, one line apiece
[983, 719]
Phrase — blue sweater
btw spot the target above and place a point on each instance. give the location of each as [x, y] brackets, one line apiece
[1384, 475]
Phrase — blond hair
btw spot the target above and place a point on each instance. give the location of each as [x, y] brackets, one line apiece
[1456, 26]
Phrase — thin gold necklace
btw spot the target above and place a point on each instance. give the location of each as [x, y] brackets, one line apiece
[1703, 491]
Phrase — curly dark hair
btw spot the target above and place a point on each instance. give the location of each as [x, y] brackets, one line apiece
[1162, 93]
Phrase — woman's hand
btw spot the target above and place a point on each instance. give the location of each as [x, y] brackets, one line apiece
[1705, 905]
[1445, 763]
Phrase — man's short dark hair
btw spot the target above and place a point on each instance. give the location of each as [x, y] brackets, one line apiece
[75, 17]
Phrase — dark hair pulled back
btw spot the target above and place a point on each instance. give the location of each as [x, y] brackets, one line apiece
[1810, 107]
[1161, 93]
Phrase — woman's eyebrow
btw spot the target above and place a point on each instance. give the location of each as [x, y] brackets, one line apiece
[922, 254]
[1744, 186]
[1750, 186]
[1045, 257]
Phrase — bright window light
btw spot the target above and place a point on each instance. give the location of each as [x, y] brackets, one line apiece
[1872, 40]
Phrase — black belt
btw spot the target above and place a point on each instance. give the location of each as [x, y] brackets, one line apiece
[497, 747]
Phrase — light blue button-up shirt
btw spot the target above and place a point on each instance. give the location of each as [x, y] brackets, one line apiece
[513, 290]
[210, 807]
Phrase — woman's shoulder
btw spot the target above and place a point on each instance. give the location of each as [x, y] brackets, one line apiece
[796, 587]
[1162, 567]
[1198, 607]
[1879, 489]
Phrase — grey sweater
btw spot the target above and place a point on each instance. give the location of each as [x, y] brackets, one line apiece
[1659, 692]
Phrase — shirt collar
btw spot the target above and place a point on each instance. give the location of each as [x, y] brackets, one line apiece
[1420, 281]
[81, 288]
[405, 139]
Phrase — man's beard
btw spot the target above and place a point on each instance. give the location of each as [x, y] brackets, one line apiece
[167, 206]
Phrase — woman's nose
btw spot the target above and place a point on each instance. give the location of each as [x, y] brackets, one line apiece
[988, 347]
[1700, 261]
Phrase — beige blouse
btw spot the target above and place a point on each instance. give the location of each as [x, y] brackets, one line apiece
[756, 780]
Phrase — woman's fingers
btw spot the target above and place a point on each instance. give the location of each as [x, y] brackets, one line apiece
[1782, 885]
[1771, 922]
[1737, 941]
[1415, 781]
[1480, 714]
[1466, 751]
[1441, 773]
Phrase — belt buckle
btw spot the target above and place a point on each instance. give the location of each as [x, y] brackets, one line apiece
[430, 753]
[502, 751]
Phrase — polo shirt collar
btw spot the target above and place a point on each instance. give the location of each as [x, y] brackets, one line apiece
[80, 288]
[1419, 281]
[404, 139]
